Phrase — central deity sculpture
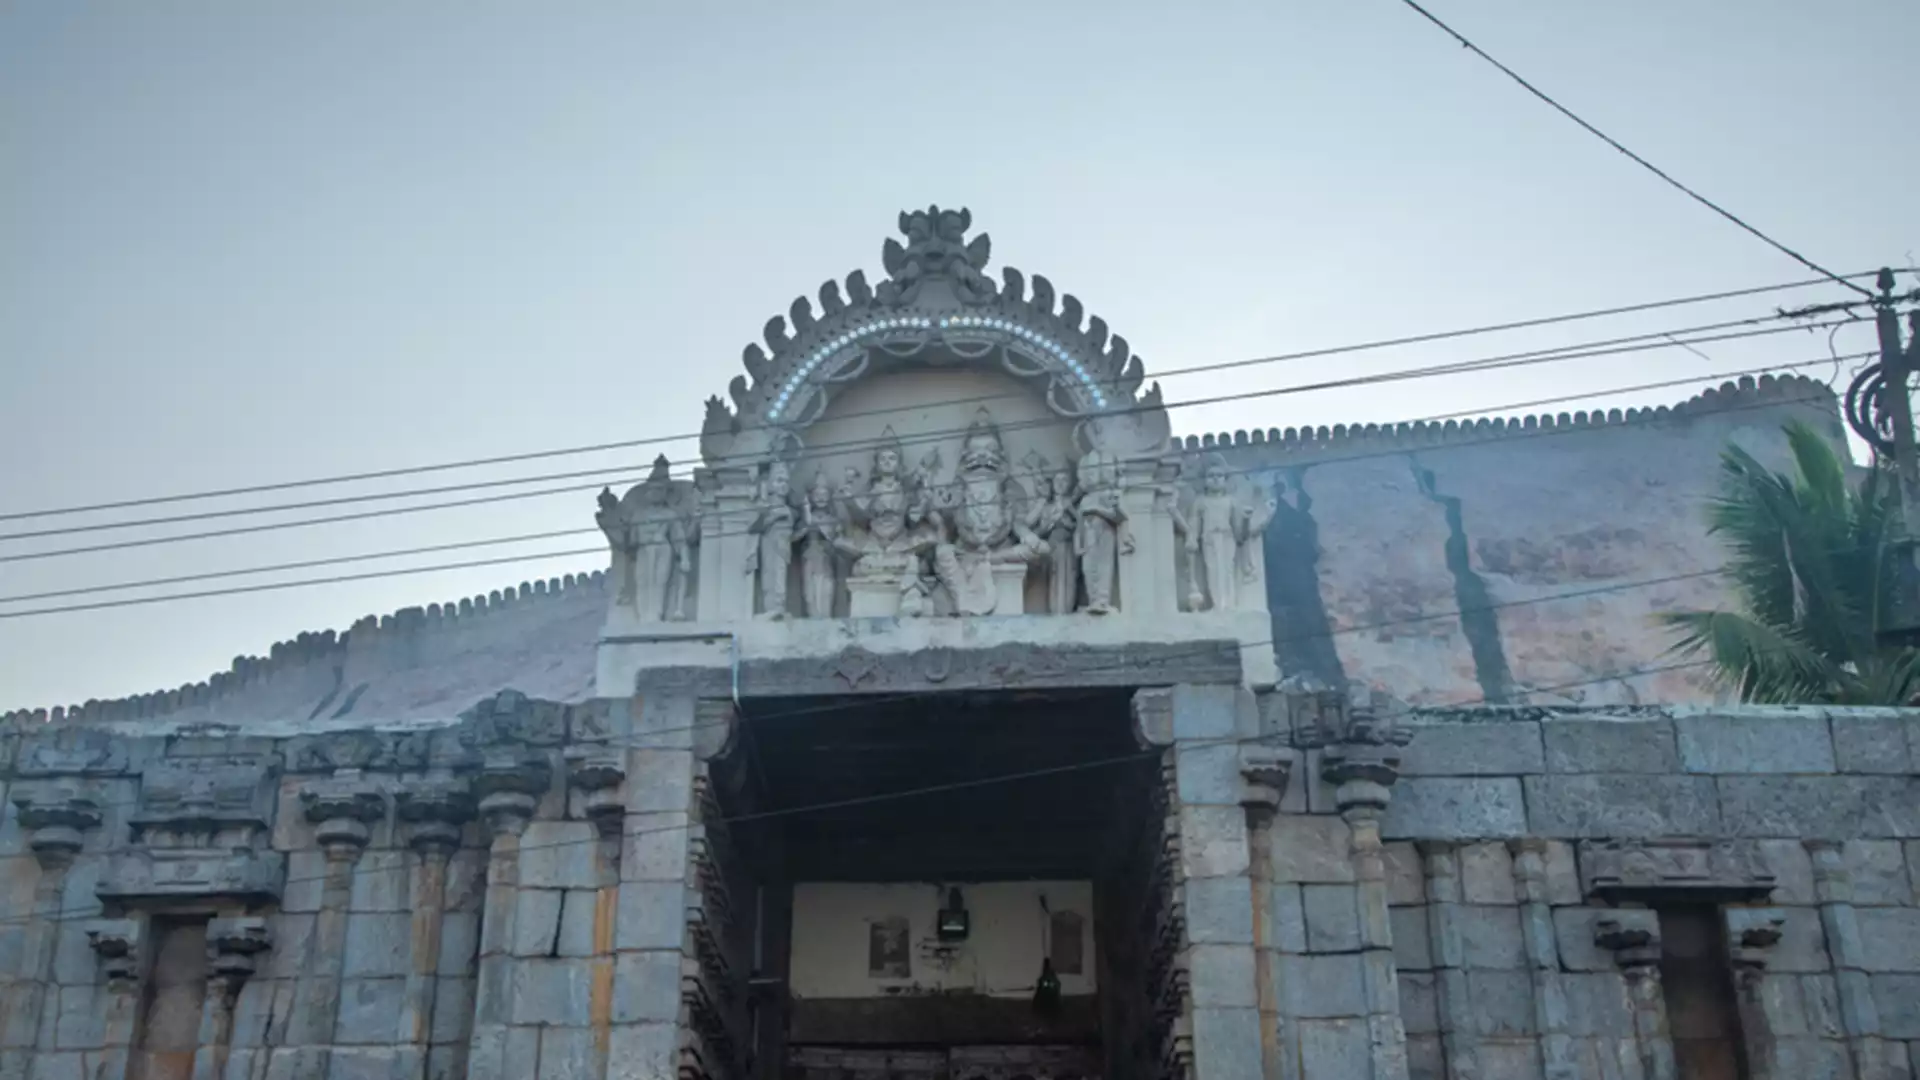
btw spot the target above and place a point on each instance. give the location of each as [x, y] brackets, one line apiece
[894, 525]
[984, 566]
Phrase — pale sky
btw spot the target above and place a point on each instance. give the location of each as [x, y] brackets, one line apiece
[248, 242]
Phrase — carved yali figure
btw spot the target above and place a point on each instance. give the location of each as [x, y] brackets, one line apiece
[819, 527]
[1100, 537]
[989, 529]
[772, 554]
[652, 536]
[1221, 530]
[936, 247]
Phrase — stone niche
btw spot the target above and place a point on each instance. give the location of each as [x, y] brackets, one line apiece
[930, 409]
[201, 832]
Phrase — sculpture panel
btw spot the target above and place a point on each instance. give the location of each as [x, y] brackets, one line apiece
[651, 531]
[1222, 530]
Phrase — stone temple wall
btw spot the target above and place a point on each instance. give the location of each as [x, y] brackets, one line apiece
[1507, 561]
[543, 890]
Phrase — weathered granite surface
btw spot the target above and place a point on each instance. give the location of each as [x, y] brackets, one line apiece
[533, 890]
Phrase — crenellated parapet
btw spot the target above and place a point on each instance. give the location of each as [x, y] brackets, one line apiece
[304, 677]
[1748, 393]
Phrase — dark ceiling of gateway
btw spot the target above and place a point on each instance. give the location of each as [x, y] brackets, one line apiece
[918, 789]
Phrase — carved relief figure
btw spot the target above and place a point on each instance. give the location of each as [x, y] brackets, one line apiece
[652, 538]
[895, 527]
[1221, 530]
[819, 526]
[989, 529]
[1053, 519]
[772, 555]
[936, 247]
[1100, 537]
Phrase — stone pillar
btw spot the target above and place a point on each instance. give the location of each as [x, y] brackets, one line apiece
[117, 942]
[433, 811]
[1873, 1056]
[1147, 580]
[1543, 958]
[1440, 861]
[1204, 958]
[650, 921]
[341, 809]
[1264, 773]
[233, 944]
[596, 775]
[1751, 935]
[1363, 765]
[55, 819]
[509, 783]
[1633, 936]
[726, 590]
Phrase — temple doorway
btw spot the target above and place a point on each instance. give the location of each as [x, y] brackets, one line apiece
[947, 886]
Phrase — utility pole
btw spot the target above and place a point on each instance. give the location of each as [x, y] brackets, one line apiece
[1898, 360]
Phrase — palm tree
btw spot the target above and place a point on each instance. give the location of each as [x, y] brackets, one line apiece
[1811, 567]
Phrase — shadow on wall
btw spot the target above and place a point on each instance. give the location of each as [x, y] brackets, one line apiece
[1302, 629]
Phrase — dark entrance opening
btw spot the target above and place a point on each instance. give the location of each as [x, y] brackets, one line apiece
[944, 884]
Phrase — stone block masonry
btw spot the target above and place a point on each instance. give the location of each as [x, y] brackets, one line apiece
[541, 890]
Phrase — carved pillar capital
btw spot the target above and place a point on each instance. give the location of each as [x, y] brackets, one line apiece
[117, 943]
[1751, 935]
[597, 773]
[1633, 936]
[434, 808]
[1152, 710]
[509, 785]
[1362, 754]
[715, 720]
[1264, 774]
[1832, 881]
[342, 809]
[233, 944]
[56, 817]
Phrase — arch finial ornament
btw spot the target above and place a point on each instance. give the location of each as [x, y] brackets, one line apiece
[937, 306]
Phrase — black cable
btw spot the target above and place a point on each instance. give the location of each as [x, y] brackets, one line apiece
[1636, 158]
[504, 560]
[1524, 359]
[503, 459]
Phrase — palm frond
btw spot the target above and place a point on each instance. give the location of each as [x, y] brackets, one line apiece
[1764, 664]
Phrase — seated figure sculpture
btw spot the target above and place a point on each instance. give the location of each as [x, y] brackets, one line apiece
[890, 527]
[984, 564]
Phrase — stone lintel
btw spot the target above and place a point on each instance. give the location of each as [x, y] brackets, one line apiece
[207, 875]
[1712, 871]
[857, 670]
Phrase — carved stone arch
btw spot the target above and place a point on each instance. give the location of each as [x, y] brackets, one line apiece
[937, 307]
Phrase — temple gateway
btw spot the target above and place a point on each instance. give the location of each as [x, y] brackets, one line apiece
[953, 719]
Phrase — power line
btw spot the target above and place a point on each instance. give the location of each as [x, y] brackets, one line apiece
[1383, 343]
[1511, 360]
[541, 556]
[1636, 158]
[559, 533]
[1653, 340]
